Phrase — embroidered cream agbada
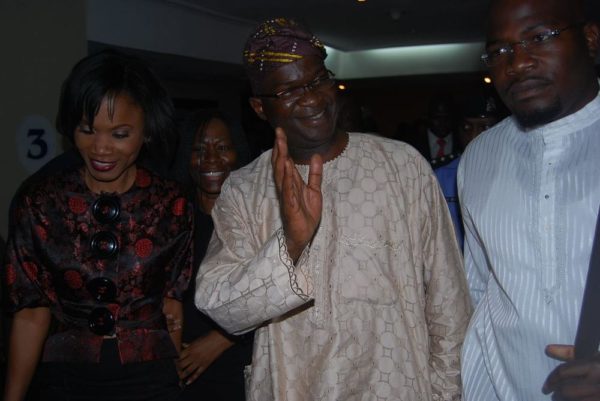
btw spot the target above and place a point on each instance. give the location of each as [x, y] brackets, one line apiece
[375, 309]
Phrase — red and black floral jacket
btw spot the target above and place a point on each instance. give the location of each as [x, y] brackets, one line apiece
[61, 245]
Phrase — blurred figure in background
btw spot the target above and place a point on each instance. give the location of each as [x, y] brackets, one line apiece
[439, 139]
[211, 362]
[478, 115]
[354, 117]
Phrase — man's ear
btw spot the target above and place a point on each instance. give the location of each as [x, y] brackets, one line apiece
[257, 106]
[591, 32]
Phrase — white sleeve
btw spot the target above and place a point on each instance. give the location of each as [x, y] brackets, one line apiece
[240, 284]
[476, 266]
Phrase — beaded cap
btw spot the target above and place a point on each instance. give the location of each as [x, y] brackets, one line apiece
[277, 42]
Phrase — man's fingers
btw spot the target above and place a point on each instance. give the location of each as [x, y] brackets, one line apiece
[581, 391]
[280, 134]
[281, 143]
[290, 186]
[315, 173]
[279, 157]
[573, 379]
[561, 352]
[574, 382]
[275, 152]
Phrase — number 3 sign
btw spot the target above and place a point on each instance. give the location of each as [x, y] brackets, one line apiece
[36, 142]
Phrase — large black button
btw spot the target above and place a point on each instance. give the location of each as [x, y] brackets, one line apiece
[102, 289]
[101, 321]
[106, 209]
[104, 244]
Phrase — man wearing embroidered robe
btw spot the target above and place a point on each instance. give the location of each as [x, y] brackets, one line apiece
[337, 245]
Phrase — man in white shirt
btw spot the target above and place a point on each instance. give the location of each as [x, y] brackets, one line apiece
[529, 189]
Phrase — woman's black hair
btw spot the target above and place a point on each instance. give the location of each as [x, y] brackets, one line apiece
[197, 121]
[108, 74]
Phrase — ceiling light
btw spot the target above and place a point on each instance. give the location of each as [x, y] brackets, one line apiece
[487, 80]
[342, 87]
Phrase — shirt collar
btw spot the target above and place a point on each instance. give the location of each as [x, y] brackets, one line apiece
[582, 118]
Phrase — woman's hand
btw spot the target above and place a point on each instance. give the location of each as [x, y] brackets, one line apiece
[198, 355]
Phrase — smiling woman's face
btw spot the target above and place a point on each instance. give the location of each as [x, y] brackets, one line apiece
[213, 156]
[111, 145]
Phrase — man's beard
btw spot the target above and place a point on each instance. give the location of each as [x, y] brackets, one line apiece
[536, 117]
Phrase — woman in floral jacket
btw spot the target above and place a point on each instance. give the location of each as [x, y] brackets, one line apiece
[99, 253]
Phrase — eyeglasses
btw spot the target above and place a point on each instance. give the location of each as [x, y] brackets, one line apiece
[320, 83]
[499, 55]
[103, 244]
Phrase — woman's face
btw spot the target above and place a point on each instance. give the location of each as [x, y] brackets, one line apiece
[213, 156]
[111, 146]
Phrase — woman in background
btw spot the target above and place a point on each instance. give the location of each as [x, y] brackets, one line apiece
[211, 361]
[102, 250]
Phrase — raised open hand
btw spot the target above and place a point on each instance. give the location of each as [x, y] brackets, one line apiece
[301, 203]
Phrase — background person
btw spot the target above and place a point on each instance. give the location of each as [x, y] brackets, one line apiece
[437, 139]
[212, 362]
[478, 115]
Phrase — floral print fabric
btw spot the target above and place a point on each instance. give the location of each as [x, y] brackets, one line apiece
[50, 262]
